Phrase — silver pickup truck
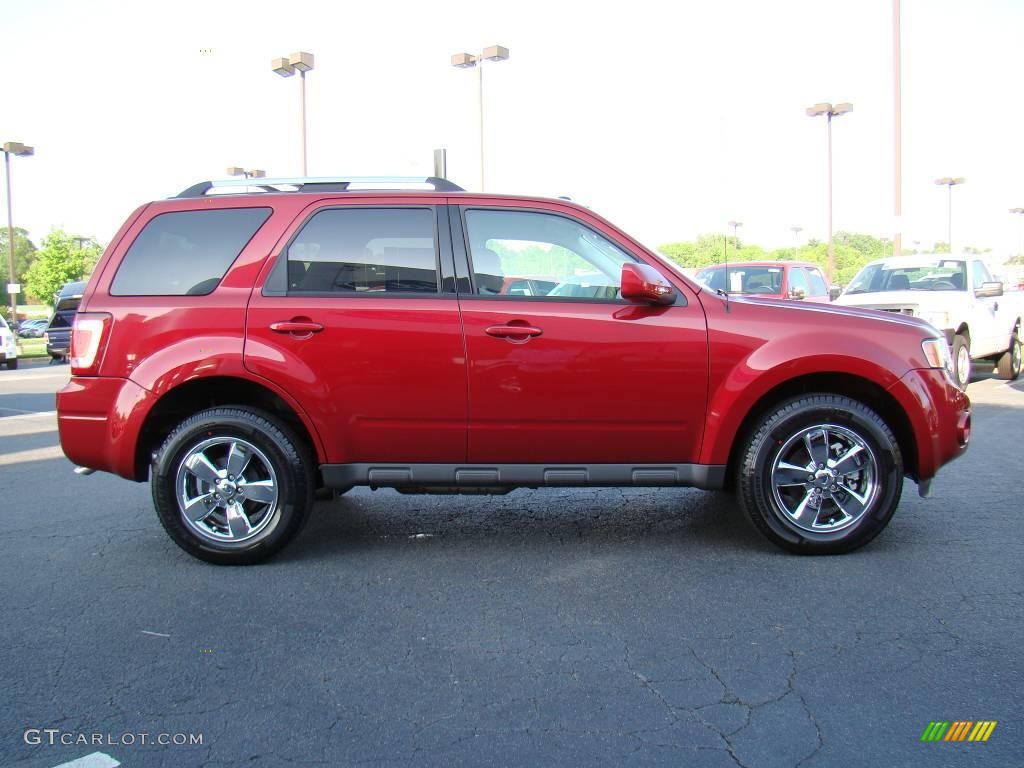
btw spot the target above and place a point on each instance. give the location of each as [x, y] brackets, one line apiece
[957, 295]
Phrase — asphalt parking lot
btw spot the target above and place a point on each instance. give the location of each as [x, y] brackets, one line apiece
[559, 627]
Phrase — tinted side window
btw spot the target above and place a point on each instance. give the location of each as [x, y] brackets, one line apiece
[818, 286]
[186, 253]
[365, 250]
[558, 257]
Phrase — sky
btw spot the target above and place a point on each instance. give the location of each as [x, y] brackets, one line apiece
[669, 118]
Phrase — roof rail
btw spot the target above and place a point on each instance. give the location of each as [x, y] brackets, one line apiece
[320, 184]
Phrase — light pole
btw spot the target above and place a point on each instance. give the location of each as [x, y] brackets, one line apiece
[301, 62]
[950, 181]
[255, 173]
[468, 61]
[1020, 237]
[19, 149]
[796, 239]
[735, 226]
[830, 111]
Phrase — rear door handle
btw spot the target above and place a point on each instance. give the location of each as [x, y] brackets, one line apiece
[296, 326]
[511, 331]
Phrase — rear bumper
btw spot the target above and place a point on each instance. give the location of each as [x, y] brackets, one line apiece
[99, 420]
[940, 416]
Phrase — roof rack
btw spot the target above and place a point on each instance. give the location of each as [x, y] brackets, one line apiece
[321, 184]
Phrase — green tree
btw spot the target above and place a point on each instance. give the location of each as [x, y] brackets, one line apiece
[711, 249]
[24, 255]
[852, 251]
[62, 259]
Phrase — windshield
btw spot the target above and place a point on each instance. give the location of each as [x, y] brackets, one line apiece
[743, 279]
[930, 275]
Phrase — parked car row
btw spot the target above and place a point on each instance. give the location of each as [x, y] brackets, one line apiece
[959, 296]
[8, 345]
[32, 329]
[56, 331]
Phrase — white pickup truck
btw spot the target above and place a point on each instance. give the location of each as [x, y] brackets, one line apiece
[957, 295]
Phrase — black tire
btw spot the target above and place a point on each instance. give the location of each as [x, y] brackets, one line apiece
[278, 455]
[1008, 364]
[962, 360]
[12, 364]
[772, 439]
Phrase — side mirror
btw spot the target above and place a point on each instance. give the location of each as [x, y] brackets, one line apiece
[989, 290]
[833, 292]
[797, 293]
[642, 283]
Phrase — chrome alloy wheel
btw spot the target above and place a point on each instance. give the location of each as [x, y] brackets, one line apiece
[824, 478]
[227, 490]
[963, 366]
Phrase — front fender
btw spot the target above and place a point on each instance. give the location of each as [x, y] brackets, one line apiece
[754, 350]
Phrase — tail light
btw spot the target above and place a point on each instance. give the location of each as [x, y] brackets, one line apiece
[88, 340]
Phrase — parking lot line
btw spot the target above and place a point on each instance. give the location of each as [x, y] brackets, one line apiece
[13, 426]
[20, 414]
[35, 454]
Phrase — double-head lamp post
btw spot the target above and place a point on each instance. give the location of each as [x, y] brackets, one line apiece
[468, 61]
[830, 111]
[255, 173]
[301, 62]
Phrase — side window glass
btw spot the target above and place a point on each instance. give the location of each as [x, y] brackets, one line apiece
[186, 253]
[365, 250]
[540, 255]
[817, 283]
[981, 273]
[798, 280]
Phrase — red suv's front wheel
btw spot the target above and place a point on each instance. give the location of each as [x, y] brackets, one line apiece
[231, 485]
[821, 474]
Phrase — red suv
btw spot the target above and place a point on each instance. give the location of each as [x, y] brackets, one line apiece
[798, 280]
[242, 350]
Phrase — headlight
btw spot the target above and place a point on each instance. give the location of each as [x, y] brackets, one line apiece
[939, 319]
[936, 352]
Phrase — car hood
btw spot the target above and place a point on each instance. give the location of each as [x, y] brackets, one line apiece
[868, 315]
[899, 298]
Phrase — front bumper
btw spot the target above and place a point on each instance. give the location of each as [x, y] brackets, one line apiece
[940, 416]
[99, 420]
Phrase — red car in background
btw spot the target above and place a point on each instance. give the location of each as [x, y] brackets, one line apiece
[769, 279]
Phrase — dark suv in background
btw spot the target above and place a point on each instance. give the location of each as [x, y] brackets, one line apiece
[242, 350]
[58, 331]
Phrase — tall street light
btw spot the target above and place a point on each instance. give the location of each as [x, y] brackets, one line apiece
[830, 111]
[255, 173]
[950, 181]
[468, 61]
[20, 150]
[1020, 237]
[796, 239]
[301, 62]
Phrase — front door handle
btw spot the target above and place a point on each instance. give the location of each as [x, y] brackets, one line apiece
[512, 331]
[299, 327]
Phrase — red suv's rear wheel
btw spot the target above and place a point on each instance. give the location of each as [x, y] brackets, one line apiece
[232, 485]
[821, 474]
